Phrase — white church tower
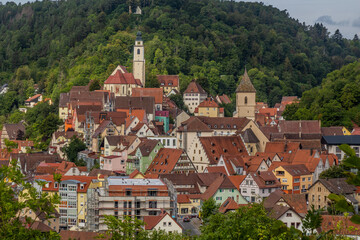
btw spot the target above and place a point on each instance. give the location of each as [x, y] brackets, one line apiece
[139, 59]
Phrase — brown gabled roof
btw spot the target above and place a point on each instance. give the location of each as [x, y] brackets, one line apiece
[164, 161]
[127, 102]
[168, 80]
[194, 87]
[13, 129]
[67, 135]
[157, 93]
[332, 131]
[297, 202]
[147, 146]
[300, 126]
[64, 99]
[222, 182]
[338, 186]
[217, 146]
[193, 124]
[297, 170]
[263, 177]
[268, 131]
[245, 84]
[223, 99]
[103, 125]
[225, 123]
[183, 198]
[277, 211]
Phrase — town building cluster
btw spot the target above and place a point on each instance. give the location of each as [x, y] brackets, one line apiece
[148, 159]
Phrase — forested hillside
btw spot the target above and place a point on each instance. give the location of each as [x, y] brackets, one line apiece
[59, 44]
[336, 102]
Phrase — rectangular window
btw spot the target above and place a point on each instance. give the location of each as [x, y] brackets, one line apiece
[125, 204]
[128, 192]
[288, 215]
[137, 204]
[152, 204]
[152, 213]
[152, 192]
[116, 204]
[130, 204]
[296, 180]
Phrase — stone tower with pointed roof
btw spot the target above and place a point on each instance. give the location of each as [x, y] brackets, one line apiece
[139, 59]
[245, 98]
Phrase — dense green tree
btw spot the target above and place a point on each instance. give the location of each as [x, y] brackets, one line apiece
[208, 208]
[312, 220]
[249, 222]
[17, 198]
[336, 171]
[71, 150]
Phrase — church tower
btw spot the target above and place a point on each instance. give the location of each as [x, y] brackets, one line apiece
[139, 59]
[245, 98]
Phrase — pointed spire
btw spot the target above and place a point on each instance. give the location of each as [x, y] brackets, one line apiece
[245, 84]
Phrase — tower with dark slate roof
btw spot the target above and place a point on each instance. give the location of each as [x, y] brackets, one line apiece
[139, 59]
[245, 98]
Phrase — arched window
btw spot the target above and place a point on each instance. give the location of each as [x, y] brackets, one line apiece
[245, 100]
[138, 51]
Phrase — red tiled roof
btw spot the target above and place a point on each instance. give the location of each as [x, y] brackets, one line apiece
[49, 178]
[216, 169]
[215, 147]
[332, 222]
[157, 93]
[271, 111]
[135, 173]
[208, 102]
[164, 161]
[194, 87]
[228, 205]
[30, 99]
[223, 99]
[237, 180]
[122, 78]
[183, 198]
[193, 124]
[152, 221]
[168, 80]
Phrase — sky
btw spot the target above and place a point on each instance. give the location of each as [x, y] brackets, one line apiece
[334, 14]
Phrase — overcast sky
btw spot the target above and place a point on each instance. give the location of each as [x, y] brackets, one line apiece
[334, 14]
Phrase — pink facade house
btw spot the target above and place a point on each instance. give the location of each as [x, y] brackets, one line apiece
[116, 162]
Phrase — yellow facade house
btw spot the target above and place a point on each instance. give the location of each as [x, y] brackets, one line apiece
[187, 205]
[73, 193]
[293, 178]
[209, 108]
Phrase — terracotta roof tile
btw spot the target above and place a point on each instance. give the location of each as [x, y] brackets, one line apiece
[164, 161]
[208, 102]
[194, 87]
[333, 222]
[228, 205]
[122, 78]
[217, 146]
[216, 169]
[183, 198]
[168, 80]
[157, 93]
[30, 99]
[237, 180]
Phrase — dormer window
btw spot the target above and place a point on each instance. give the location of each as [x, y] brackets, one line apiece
[81, 186]
[56, 185]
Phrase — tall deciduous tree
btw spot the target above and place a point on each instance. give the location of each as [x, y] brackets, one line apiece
[75, 146]
[16, 199]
